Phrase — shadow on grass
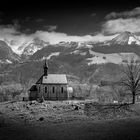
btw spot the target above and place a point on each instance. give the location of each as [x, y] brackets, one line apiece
[127, 129]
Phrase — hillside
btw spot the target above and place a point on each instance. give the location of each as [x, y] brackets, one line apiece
[6, 53]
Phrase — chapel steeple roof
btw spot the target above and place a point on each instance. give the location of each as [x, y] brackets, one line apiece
[45, 68]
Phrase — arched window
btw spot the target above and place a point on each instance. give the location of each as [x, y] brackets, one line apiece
[39, 89]
[53, 90]
[45, 89]
[62, 89]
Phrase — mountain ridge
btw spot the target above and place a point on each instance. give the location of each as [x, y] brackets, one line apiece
[37, 49]
[31, 46]
[125, 38]
[6, 54]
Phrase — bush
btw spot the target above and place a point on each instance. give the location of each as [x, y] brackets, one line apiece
[10, 92]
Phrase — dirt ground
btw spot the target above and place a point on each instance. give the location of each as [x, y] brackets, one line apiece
[62, 121]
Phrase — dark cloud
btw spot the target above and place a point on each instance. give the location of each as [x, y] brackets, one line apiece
[1, 16]
[27, 19]
[50, 27]
[16, 23]
[126, 14]
[93, 14]
[26, 31]
[39, 20]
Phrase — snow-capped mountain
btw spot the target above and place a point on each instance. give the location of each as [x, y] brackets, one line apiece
[26, 47]
[125, 38]
[79, 49]
[67, 44]
[29, 48]
[6, 53]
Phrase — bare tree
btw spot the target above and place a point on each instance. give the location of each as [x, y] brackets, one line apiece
[131, 78]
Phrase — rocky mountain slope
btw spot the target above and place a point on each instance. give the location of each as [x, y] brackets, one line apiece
[6, 54]
[31, 47]
[125, 38]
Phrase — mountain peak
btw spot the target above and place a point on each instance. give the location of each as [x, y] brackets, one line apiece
[127, 33]
[33, 46]
[125, 38]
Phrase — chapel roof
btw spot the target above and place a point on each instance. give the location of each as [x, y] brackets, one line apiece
[53, 79]
[33, 88]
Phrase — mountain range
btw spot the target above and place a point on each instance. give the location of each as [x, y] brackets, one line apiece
[83, 60]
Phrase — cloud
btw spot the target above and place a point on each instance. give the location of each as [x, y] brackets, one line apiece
[126, 14]
[16, 24]
[56, 37]
[122, 21]
[27, 19]
[121, 25]
[8, 30]
[27, 31]
[39, 20]
[10, 33]
[50, 27]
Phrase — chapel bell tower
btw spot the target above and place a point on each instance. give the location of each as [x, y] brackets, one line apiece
[45, 68]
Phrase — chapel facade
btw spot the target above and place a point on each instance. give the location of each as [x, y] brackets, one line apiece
[50, 86]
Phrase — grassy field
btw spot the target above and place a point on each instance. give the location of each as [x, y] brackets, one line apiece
[63, 121]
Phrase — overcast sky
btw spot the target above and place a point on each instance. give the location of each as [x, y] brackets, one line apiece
[73, 19]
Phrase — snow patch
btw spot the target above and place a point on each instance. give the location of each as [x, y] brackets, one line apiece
[126, 38]
[52, 54]
[17, 46]
[8, 61]
[78, 52]
[5, 61]
[75, 52]
[133, 40]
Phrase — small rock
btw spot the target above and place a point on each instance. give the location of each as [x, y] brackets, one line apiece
[12, 109]
[54, 107]
[41, 118]
[27, 107]
[30, 103]
[76, 107]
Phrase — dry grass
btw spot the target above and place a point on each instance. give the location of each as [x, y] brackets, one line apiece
[66, 120]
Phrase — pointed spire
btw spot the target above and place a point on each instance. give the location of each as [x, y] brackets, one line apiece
[45, 68]
[46, 64]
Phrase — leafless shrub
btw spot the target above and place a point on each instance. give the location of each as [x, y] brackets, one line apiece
[131, 78]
